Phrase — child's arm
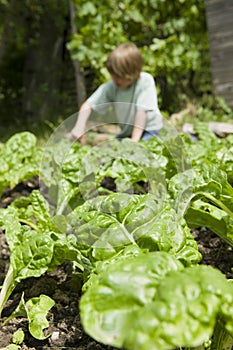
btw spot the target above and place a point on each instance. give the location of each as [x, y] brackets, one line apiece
[139, 125]
[78, 130]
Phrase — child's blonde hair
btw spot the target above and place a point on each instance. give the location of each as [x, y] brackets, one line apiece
[125, 61]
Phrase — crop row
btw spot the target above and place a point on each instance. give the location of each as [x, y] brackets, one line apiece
[122, 213]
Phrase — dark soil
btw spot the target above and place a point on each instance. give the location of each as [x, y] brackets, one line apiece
[65, 326]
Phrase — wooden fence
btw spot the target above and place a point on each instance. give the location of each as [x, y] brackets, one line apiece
[220, 28]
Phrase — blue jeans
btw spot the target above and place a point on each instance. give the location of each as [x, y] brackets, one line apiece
[148, 134]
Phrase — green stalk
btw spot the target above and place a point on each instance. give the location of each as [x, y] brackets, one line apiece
[29, 223]
[201, 347]
[227, 210]
[214, 200]
[62, 207]
[219, 204]
[222, 340]
[7, 288]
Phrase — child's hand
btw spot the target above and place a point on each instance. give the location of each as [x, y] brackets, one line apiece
[82, 140]
[70, 136]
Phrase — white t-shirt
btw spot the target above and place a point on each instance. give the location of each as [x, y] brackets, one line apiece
[141, 95]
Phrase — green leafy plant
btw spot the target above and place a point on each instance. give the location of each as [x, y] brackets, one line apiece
[208, 185]
[106, 224]
[35, 310]
[19, 159]
[36, 245]
[74, 174]
[150, 301]
[18, 336]
[119, 240]
[211, 149]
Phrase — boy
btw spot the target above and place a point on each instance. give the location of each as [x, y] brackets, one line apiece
[132, 93]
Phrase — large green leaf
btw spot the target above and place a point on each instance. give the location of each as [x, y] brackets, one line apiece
[37, 245]
[209, 187]
[106, 224]
[206, 181]
[202, 214]
[35, 309]
[150, 302]
[125, 286]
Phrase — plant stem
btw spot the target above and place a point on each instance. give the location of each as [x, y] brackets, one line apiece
[222, 340]
[201, 347]
[29, 223]
[7, 288]
[219, 204]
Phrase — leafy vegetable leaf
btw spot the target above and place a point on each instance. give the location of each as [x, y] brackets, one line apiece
[19, 159]
[150, 302]
[35, 310]
[105, 225]
[210, 185]
[36, 246]
[125, 286]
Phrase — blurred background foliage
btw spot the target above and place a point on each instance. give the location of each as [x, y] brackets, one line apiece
[53, 53]
[172, 37]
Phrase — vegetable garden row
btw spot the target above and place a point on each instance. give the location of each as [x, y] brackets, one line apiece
[122, 214]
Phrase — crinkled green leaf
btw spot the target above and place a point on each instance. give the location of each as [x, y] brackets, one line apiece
[201, 214]
[210, 149]
[34, 247]
[12, 227]
[106, 224]
[19, 159]
[129, 164]
[206, 181]
[37, 309]
[19, 147]
[210, 185]
[60, 170]
[146, 303]
[32, 255]
[34, 209]
[100, 266]
[124, 286]
[18, 336]
[184, 311]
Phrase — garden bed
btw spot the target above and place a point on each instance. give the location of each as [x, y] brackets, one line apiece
[64, 319]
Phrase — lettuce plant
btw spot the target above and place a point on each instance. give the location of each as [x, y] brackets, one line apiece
[36, 242]
[106, 224]
[150, 301]
[74, 174]
[60, 171]
[19, 159]
[205, 197]
[203, 214]
[143, 290]
[35, 310]
[211, 149]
